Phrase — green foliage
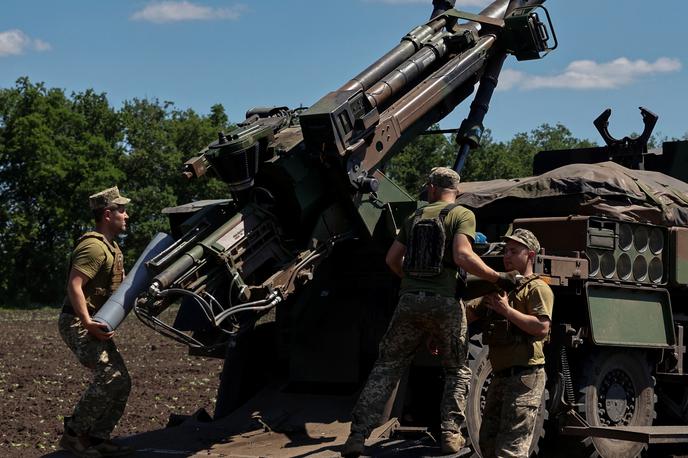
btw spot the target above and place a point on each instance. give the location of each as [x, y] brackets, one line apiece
[56, 150]
[158, 139]
[410, 168]
[514, 158]
[492, 160]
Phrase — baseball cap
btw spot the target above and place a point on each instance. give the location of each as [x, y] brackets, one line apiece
[444, 177]
[524, 237]
[107, 199]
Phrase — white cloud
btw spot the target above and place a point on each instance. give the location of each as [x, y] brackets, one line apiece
[588, 74]
[176, 11]
[15, 42]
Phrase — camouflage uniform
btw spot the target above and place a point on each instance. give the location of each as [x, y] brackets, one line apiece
[510, 413]
[416, 317]
[102, 404]
[426, 308]
[515, 393]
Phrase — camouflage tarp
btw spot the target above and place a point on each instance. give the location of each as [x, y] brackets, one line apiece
[583, 189]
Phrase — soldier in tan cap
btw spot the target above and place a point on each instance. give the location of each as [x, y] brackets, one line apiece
[96, 270]
[515, 326]
[432, 246]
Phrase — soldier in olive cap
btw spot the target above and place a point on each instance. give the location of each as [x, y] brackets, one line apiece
[96, 270]
[515, 326]
[429, 270]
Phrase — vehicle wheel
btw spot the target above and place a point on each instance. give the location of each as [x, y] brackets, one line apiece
[480, 381]
[617, 390]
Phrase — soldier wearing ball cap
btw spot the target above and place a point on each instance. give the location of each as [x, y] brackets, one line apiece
[515, 326]
[109, 198]
[427, 309]
[96, 270]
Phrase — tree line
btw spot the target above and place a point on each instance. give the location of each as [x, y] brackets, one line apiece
[57, 149]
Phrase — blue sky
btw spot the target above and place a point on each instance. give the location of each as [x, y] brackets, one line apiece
[618, 54]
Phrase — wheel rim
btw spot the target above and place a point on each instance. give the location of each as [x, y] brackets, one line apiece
[616, 399]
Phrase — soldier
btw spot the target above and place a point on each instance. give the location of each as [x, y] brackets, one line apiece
[96, 270]
[427, 308]
[515, 327]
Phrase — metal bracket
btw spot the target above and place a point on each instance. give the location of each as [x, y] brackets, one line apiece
[627, 151]
[649, 122]
[485, 20]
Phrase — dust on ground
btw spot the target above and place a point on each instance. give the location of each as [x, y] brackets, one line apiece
[41, 380]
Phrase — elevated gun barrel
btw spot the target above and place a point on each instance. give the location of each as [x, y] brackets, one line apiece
[408, 71]
[410, 44]
[438, 93]
[412, 106]
[432, 50]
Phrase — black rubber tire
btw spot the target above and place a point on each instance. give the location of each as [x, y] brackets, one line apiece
[480, 380]
[617, 390]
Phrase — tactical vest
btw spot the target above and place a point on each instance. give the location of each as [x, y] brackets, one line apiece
[500, 331]
[427, 244]
[116, 271]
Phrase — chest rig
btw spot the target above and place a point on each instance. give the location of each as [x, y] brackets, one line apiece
[500, 331]
[117, 267]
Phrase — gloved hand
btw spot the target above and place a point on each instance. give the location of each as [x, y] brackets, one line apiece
[508, 281]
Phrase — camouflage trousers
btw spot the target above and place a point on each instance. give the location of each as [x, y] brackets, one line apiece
[510, 414]
[415, 319]
[102, 404]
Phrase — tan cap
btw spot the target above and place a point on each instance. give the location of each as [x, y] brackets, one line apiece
[444, 177]
[107, 199]
[524, 237]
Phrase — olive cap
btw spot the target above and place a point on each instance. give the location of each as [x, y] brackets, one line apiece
[107, 199]
[524, 237]
[444, 177]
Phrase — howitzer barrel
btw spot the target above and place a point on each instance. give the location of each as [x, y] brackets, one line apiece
[431, 92]
[409, 45]
[438, 93]
[408, 71]
[433, 49]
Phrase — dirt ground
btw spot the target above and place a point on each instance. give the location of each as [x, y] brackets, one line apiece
[41, 381]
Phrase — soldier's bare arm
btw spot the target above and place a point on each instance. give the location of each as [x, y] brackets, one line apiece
[75, 291]
[395, 258]
[465, 257]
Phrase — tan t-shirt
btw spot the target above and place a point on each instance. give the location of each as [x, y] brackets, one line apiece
[94, 258]
[535, 298]
[459, 220]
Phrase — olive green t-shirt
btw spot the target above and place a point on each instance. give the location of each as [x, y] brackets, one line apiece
[94, 259]
[535, 298]
[459, 220]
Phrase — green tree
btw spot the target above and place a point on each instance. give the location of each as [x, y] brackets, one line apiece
[514, 158]
[411, 166]
[54, 151]
[158, 139]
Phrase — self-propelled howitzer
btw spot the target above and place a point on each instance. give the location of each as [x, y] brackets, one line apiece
[286, 279]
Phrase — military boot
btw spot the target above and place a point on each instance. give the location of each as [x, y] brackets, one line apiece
[354, 445]
[78, 445]
[108, 448]
[452, 442]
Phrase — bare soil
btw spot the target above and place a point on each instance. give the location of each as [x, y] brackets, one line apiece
[41, 381]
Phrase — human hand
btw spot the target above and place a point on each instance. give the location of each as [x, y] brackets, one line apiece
[98, 330]
[508, 281]
[499, 303]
